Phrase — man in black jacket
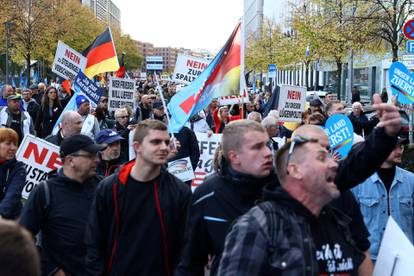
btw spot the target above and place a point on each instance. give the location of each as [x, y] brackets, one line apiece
[109, 157]
[235, 189]
[138, 215]
[60, 206]
[72, 123]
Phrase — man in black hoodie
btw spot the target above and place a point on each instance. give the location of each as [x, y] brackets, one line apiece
[138, 216]
[109, 157]
[60, 206]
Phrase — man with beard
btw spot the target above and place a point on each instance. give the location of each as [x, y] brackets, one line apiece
[388, 192]
[59, 208]
[144, 110]
[12, 117]
[138, 216]
[231, 192]
[109, 157]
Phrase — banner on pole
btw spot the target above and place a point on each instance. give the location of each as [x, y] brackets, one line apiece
[292, 100]
[40, 158]
[83, 84]
[188, 68]
[68, 62]
[121, 92]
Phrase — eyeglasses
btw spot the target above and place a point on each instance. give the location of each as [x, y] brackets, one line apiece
[89, 156]
[297, 141]
[123, 117]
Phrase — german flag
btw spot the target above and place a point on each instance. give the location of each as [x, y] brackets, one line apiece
[101, 55]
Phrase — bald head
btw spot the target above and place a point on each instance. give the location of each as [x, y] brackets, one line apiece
[71, 123]
[310, 132]
[7, 90]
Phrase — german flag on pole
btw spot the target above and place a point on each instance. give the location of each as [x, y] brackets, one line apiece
[101, 55]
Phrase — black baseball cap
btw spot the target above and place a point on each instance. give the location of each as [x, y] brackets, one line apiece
[78, 142]
[158, 105]
[402, 140]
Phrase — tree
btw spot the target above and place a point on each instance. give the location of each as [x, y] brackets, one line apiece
[388, 17]
[124, 44]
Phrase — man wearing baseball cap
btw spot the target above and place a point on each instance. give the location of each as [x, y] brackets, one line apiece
[59, 207]
[16, 119]
[388, 192]
[109, 158]
[90, 123]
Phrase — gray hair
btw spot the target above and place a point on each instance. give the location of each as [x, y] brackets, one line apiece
[269, 121]
[255, 116]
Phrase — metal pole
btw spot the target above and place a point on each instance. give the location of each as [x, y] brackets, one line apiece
[350, 77]
[7, 25]
[410, 124]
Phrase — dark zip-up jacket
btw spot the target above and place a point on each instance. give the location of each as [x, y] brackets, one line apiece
[224, 196]
[62, 222]
[12, 181]
[108, 217]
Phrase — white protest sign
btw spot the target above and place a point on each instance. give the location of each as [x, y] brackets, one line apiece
[182, 169]
[188, 68]
[233, 99]
[40, 158]
[68, 62]
[208, 146]
[131, 150]
[292, 101]
[396, 252]
[121, 92]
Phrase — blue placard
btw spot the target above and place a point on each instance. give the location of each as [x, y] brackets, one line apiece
[341, 135]
[83, 84]
[272, 68]
[410, 47]
[402, 83]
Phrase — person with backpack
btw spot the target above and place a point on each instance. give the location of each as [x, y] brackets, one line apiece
[59, 207]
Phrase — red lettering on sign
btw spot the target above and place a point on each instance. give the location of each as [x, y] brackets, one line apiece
[72, 56]
[33, 149]
[196, 64]
[54, 160]
[294, 95]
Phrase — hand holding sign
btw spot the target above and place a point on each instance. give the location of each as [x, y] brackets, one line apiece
[388, 115]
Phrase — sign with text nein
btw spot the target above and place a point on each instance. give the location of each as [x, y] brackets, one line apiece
[68, 62]
[292, 100]
[188, 68]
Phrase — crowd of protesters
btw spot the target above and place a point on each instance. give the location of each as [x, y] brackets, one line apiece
[108, 211]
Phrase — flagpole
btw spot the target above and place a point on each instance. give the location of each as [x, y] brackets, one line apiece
[242, 82]
[165, 107]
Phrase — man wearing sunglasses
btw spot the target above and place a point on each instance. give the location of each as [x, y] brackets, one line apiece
[59, 207]
[295, 232]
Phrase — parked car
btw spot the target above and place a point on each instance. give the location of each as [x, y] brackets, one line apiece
[310, 95]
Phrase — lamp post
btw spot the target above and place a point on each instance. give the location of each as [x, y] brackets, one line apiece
[7, 26]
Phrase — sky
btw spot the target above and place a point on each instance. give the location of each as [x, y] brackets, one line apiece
[192, 24]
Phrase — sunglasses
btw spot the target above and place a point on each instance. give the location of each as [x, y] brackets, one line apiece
[295, 142]
[123, 117]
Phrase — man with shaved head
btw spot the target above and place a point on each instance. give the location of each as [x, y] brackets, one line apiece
[71, 124]
[294, 231]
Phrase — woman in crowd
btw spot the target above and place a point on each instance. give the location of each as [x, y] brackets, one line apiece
[358, 113]
[12, 175]
[222, 117]
[49, 113]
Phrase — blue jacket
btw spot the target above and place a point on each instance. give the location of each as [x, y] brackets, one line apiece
[12, 181]
[373, 200]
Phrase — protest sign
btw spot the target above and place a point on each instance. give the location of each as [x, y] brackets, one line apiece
[182, 169]
[187, 68]
[341, 135]
[40, 158]
[233, 99]
[68, 62]
[396, 252]
[402, 83]
[208, 146]
[121, 92]
[84, 85]
[131, 151]
[291, 104]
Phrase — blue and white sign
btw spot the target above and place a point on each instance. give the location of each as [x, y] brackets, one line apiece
[402, 83]
[272, 68]
[83, 84]
[341, 135]
[410, 47]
